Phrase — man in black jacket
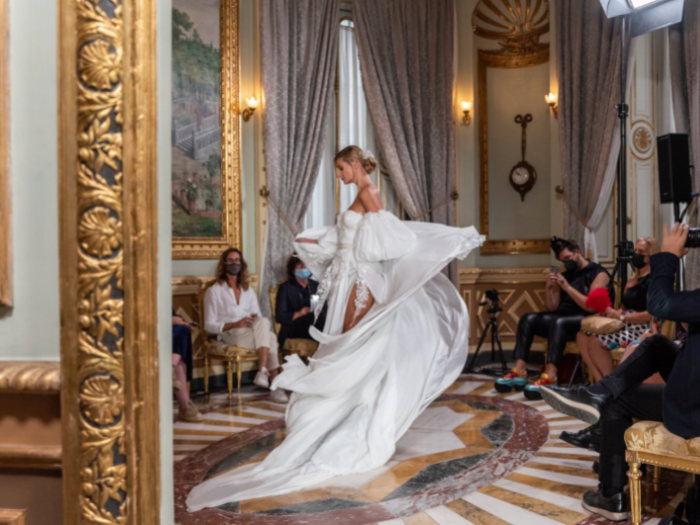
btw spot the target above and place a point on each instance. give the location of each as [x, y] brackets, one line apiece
[621, 397]
[293, 308]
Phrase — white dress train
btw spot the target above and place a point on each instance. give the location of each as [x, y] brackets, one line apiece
[363, 388]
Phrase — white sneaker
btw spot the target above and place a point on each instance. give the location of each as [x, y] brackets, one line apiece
[278, 396]
[262, 378]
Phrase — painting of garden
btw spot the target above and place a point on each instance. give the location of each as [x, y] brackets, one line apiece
[196, 119]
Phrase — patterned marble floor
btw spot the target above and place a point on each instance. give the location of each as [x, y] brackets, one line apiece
[474, 457]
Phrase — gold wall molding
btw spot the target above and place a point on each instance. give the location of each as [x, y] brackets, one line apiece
[5, 193]
[231, 216]
[108, 255]
[30, 457]
[30, 377]
[498, 59]
[12, 517]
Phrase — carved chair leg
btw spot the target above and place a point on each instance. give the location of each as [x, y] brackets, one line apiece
[229, 378]
[206, 373]
[239, 374]
[635, 476]
[657, 478]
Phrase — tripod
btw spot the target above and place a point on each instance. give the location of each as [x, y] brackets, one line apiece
[492, 325]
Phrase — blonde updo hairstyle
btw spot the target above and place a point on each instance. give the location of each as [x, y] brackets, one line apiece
[350, 153]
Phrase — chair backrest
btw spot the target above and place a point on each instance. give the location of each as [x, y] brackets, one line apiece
[273, 305]
[200, 303]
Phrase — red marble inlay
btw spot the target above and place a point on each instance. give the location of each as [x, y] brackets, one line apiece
[530, 432]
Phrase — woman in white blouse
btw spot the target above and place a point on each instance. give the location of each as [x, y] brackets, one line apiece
[395, 337]
[232, 311]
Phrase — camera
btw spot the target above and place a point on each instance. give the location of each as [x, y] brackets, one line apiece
[492, 295]
[693, 240]
[492, 298]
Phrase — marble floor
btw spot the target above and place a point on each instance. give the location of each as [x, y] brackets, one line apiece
[473, 457]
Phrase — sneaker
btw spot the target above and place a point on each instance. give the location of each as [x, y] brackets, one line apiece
[580, 402]
[176, 383]
[191, 414]
[532, 391]
[613, 508]
[262, 378]
[510, 381]
[278, 396]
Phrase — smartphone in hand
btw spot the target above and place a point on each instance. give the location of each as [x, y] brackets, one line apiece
[555, 269]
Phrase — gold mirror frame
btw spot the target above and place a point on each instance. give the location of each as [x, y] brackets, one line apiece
[231, 213]
[108, 261]
[5, 199]
[498, 59]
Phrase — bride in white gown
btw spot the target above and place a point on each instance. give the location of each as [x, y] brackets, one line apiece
[395, 338]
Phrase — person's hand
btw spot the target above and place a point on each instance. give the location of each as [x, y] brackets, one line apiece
[674, 242]
[611, 313]
[244, 323]
[647, 334]
[304, 311]
[558, 280]
[553, 281]
[179, 320]
[304, 240]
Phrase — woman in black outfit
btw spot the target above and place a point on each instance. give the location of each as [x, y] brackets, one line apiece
[595, 349]
[293, 308]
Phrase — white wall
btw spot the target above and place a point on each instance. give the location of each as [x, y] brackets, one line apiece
[30, 330]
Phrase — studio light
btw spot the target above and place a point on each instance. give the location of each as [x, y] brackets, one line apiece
[638, 18]
[645, 15]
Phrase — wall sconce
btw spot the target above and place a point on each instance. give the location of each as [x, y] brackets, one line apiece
[252, 104]
[466, 109]
[552, 100]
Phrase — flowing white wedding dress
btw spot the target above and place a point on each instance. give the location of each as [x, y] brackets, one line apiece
[363, 388]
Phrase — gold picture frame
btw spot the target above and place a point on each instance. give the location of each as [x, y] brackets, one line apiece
[498, 59]
[108, 253]
[205, 247]
[5, 200]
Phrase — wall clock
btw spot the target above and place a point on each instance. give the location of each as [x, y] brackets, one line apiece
[523, 175]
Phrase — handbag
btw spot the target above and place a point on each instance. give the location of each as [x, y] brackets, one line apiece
[596, 324]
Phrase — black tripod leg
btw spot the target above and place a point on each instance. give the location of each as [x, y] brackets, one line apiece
[470, 367]
[504, 364]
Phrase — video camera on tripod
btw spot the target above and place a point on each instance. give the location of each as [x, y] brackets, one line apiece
[493, 302]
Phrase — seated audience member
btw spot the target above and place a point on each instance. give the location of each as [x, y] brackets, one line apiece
[232, 311]
[565, 299]
[595, 349]
[182, 369]
[293, 308]
[621, 397]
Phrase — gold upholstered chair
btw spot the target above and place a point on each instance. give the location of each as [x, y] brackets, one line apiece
[651, 443]
[217, 350]
[301, 347]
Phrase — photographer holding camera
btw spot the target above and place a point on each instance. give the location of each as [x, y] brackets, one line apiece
[565, 299]
[621, 397]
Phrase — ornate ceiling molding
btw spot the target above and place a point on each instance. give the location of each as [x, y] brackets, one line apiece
[517, 25]
[30, 377]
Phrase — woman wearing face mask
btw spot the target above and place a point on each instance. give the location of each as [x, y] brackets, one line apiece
[395, 337]
[231, 311]
[595, 349]
[293, 308]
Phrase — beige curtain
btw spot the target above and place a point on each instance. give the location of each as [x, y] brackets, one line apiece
[407, 54]
[299, 54]
[588, 64]
[684, 42]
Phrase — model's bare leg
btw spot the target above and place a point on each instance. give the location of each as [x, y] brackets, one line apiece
[582, 341]
[351, 319]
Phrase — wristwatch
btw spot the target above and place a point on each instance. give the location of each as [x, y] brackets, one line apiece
[622, 318]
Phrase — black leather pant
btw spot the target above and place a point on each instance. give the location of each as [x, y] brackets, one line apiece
[558, 329]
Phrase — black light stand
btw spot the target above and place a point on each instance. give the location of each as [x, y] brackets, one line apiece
[625, 248]
[492, 325]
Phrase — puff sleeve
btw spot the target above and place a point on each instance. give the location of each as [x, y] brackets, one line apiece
[382, 237]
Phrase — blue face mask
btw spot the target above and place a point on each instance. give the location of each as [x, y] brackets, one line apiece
[302, 273]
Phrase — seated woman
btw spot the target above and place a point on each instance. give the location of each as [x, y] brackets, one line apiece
[293, 308]
[595, 349]
[182, 369]
[232, 311]
[565, 299]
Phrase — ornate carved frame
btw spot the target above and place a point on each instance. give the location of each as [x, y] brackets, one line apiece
[108, 255]
[5, 196]
[497, 59]
[209, 247]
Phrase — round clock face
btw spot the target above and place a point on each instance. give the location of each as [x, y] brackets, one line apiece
[520, 176]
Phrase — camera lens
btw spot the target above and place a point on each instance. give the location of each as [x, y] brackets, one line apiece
[693, 240]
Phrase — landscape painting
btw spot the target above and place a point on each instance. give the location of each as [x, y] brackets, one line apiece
[203, 175]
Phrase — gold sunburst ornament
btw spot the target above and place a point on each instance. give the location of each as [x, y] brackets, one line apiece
[516, 24]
